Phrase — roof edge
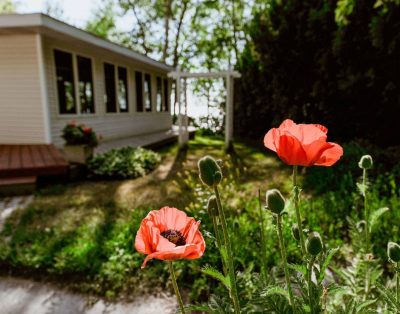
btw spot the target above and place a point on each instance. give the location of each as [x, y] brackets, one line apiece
[46, 21]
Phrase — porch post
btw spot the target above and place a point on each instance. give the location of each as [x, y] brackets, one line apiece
[229, 111]
[178, 100]
[186, 118]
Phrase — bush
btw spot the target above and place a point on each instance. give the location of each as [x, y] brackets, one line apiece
[79, 135]
[123, 163]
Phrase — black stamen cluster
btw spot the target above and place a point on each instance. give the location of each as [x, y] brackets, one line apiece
[174, 236]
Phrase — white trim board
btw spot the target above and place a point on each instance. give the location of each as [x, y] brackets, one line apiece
[37, 22]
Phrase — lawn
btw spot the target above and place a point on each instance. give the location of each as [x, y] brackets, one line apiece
[82, 233]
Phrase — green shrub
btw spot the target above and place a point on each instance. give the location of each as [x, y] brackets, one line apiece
[123, 163]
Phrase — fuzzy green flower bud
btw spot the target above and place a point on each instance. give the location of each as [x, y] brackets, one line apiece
[314, 244]
[296, 232]
[365, 162]
[275, 201]
[212, 206]
[393, 251]
[210, 171]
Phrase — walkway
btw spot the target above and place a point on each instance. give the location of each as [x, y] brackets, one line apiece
[29, 297]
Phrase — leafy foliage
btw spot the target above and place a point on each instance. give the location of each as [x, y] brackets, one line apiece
[126, 162]
[328, 61]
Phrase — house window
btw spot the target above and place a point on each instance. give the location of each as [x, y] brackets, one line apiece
[110, 92]
[139, 91]
[85, 84]
[147, 92]
[65, 82]
[122, 89]
[159, 103]
[166, 95]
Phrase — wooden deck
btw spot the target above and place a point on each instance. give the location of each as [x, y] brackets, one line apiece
[31, 160]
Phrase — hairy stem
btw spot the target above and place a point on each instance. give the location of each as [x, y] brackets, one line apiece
[309, 281]
[283, 255]
[398, 283]
[175, 284]
[218, 239]
[296, 191]
[262, 236]
[366, 211]
[231, 269]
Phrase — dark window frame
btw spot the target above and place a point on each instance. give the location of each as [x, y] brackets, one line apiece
[166, 98]
[120, 70]
[110, 88]
[93, 106]
[148, 78]
[62, 101]
[139, 91]
[159, 92]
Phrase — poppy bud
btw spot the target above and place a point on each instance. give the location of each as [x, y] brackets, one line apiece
[314, 243]
[365, 162]
[275, 201]
[212, 206]
[296, 232]
[393, 251]
[210, 171]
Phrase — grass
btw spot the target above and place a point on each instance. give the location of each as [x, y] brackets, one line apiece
[84, 232]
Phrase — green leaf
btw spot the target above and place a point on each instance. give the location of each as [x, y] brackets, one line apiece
[275, 290]
[361, 187]
[200, 308]
[212, 272]
[364, 305]
[326, 262]
[299, 268]
[375, 216]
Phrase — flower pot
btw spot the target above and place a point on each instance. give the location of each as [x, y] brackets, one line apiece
[78, 153]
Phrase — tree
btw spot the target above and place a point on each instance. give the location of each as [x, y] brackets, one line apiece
[103, 22]
[7, 6]
[329, 62]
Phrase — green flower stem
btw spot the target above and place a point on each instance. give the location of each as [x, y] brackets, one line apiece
[366, 211]
[218, 239]
[296, 190]
[262, 235]
[309, 281]
[283, 255]
[231, 269]
[398, 282]
[175, 284]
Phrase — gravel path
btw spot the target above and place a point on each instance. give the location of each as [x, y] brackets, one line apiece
[28, 297]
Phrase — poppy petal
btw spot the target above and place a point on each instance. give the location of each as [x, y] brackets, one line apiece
[271, 139]
[189, 251]
[322, 128]
[330, 155]
[291, 151]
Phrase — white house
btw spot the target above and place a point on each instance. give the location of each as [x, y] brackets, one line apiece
[52, 73]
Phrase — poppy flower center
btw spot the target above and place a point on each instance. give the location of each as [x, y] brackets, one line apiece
[174, 236]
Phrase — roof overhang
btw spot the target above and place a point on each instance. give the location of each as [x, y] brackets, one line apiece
[44, 24]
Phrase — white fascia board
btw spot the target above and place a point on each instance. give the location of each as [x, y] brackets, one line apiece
[42, 20]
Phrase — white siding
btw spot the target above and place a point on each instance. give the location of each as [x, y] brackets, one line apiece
[21, 111]
[108, 125]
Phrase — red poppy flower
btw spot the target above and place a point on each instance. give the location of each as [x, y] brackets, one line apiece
[169, 234]
[302, 144]
[87, 130]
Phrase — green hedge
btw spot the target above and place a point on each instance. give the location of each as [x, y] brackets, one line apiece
[123, 163]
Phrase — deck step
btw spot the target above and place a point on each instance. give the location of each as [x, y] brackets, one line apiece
[17, 186]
